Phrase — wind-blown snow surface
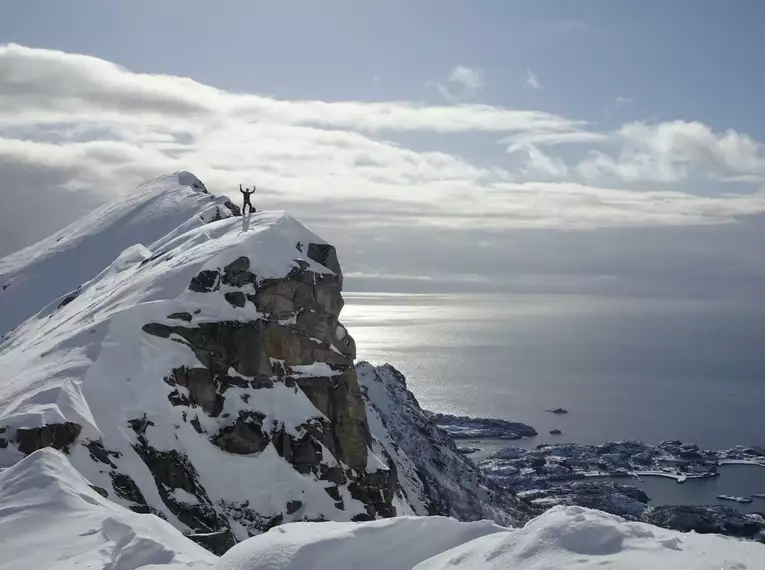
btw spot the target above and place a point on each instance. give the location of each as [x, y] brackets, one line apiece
[563, 537]
[39, 274]
[50, 517]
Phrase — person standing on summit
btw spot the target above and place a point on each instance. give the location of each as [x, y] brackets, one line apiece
[247, 193]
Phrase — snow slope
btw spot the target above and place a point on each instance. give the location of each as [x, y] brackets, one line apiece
[563, 537]
[39, 274]
[50, 517]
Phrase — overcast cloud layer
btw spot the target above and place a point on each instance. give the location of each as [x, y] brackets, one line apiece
[650, 208]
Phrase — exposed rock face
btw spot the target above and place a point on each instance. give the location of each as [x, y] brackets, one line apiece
[294, 344]
[434, 476]
[57, 436]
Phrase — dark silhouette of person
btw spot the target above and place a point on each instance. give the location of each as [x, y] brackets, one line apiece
[247, 193]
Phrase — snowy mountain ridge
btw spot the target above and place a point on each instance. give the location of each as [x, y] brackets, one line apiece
[37, 275]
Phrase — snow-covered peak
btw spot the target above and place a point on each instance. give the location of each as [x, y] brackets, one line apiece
[39, 274]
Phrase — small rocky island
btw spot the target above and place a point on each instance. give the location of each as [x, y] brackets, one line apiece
[463, 427]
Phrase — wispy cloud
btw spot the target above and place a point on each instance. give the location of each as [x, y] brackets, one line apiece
[532, 81]
[622, 101]
[470, 82]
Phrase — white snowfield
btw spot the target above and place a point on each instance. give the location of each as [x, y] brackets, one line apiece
[50, 518]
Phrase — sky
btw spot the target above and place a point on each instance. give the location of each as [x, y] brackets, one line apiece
[610, 148]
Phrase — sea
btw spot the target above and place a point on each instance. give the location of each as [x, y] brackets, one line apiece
[624, 368]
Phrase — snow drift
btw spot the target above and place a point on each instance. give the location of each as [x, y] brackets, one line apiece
[563, 537]
[50, 517]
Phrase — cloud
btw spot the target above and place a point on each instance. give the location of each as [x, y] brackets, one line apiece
[559, 138]
[538, 163]
[470, 80]
[622, 101]
[91, 89]
[103, 129]
[672, 151]
[532, 81]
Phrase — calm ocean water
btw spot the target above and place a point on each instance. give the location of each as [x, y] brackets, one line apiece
[648, 369]
[624, 368]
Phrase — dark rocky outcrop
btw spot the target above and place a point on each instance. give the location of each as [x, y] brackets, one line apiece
[205, 281]
[216, 542]
[297, 327]
[244, 436]
[183, 316]
[58, 436]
